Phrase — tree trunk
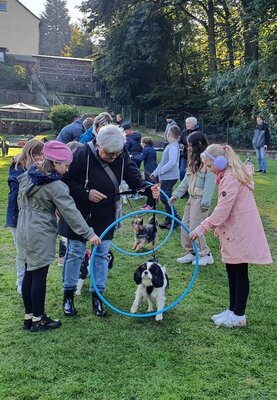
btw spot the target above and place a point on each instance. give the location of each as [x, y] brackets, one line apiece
[211, 37]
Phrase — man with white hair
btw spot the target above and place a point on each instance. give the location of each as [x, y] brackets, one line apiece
[192, 126]
[93, 179]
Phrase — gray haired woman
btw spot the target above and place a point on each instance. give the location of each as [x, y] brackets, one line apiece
[93, 179]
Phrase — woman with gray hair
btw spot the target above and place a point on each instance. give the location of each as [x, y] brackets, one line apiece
[93, 179]
[191, 126]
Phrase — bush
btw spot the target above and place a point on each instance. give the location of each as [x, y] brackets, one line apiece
[13, 77]
[63, 115]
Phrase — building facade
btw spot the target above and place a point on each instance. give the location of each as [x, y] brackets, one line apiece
[19, 28]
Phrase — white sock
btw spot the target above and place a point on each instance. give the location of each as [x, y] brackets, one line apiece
[28, 316]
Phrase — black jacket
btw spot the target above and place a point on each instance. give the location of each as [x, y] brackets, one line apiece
[98, 215]
[183, 141]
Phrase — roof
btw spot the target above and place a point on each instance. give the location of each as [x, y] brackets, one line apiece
[28, 10]
[61, 58]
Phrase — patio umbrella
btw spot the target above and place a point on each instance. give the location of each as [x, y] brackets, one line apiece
[21, 107]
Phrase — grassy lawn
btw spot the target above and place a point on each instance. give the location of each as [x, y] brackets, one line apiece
[119, 358]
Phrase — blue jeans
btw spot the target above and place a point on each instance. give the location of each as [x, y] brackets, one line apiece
[167, 187]
[182, 167]
[73, 260]
[260, 153]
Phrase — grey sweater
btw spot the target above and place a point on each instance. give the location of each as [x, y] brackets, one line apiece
[168, 168]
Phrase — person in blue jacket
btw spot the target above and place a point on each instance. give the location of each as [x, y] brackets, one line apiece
[73, 131]
[32, 153]
[149, 158]
[133, 139]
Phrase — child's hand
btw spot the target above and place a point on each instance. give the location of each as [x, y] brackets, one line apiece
[155, 191]
[172, 200]
[95, 240]
[193, 235]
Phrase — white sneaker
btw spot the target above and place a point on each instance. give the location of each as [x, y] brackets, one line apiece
[186, 259]
[205, 260]
[234, 320]
[224, 314]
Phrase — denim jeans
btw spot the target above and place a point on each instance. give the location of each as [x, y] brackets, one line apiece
[72, 264]
[182, 167]
[20, 260]
[167, 187]
[260, 153]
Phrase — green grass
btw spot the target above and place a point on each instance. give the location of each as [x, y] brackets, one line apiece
[119, 358]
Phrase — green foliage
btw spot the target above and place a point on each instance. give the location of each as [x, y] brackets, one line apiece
[133, 58]
[79, 45]
[13, 77]
[54, 28]
[62, 115]
[163, 54]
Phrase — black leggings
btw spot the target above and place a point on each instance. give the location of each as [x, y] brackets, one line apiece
[238, 287]
[34, 290]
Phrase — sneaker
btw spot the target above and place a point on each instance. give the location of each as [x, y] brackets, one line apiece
[259, 170]
[45, 324]
[224, 314]
[147, 207]
[264, 172]
[186, 259]
[234, 320]
[27, 324]
[205, 260]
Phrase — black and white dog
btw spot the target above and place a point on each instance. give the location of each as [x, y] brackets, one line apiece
[84, 272]
[152, 281]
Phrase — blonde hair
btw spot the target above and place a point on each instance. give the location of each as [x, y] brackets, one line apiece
[26, 158]
[237, 167]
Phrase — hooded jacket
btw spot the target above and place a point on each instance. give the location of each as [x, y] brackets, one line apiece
[38, 201]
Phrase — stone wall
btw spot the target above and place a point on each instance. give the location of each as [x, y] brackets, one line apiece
[17, 96]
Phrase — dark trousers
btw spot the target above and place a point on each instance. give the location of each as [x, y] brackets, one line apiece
[34, 290]
[182, 167]
[238, 287]
[167, 187]
[150, 201]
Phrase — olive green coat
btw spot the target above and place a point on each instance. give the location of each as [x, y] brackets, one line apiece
[37, 220]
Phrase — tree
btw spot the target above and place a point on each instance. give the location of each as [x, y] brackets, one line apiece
[79, 44]
[54, 28]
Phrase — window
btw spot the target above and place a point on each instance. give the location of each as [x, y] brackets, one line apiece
[3, 5]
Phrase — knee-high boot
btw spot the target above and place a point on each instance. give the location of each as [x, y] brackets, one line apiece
[68, 303]
[97, 306]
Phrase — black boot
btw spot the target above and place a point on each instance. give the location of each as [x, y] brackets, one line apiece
[68, 303]
[97, 306]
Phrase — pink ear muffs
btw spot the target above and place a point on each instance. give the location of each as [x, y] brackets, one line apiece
[220, 162]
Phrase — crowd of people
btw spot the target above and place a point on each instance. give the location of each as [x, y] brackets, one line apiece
[71, 186]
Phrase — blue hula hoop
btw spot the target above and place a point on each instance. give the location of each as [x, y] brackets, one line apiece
[146, 253]
[172, 304]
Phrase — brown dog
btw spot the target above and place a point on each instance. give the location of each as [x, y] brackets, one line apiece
[144, 234]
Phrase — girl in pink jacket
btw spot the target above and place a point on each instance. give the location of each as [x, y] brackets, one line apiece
[238, 225]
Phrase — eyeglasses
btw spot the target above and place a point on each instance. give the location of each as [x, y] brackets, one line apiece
[111, 155]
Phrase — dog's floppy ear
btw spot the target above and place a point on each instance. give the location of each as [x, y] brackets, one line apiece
[157, 275]
[138, 272]
[110, 258]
